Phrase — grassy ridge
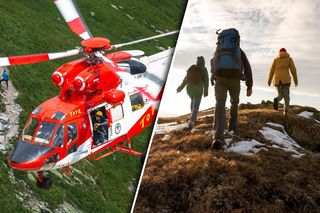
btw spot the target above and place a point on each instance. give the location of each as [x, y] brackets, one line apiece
[185, 174]
[36, 26]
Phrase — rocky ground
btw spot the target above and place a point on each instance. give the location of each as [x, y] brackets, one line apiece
[9, 130]
[271, 164]
[9, 119]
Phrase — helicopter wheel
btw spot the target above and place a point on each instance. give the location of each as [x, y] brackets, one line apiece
[45, 184]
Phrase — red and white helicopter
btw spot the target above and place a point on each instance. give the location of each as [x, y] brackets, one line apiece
[123, 89]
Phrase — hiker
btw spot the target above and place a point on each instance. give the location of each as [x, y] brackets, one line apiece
[197, 82]
[5, 77]
[279, 73]
[100, 128]
[228, 66]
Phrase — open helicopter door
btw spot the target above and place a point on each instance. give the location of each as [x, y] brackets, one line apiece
[100, 124]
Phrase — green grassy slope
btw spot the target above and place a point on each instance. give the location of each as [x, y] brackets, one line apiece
[36, 26]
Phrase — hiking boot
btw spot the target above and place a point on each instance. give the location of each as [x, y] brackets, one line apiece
[190, 124]
[217, 144]
[275, 104]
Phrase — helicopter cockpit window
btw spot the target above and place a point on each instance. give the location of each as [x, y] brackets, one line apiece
[137, 101]
[58, 116]
[36, 111]
[28, 132]
[45, 132]
[58, 138]
[72, 132]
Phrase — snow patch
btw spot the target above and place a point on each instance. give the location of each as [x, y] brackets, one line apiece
[306, 114]
[278, 140]
[281, 139]
[275, 125]
[166, 138]
[194, 130]
[168, 127]
[245, 147]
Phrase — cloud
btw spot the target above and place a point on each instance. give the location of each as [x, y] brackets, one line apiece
[264, 26]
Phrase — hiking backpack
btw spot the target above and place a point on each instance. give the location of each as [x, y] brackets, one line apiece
[227, 55]
[194, 74]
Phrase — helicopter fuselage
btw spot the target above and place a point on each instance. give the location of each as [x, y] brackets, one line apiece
[61, 131]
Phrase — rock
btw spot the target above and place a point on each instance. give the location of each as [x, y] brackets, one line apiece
[166, 138]
[66, 207]
[4, 118]
[194, 130]
[3, 147]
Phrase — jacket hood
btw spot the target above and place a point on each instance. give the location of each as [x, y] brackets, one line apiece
[200, 61]
[283, 55]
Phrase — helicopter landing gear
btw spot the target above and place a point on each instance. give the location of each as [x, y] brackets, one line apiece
[43, 182]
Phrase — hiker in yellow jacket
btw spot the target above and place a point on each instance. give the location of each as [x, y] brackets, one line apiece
[279, 73]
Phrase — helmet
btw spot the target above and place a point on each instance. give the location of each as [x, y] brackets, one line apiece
[99, 113]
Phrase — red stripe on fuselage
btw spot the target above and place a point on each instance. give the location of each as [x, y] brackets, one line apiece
[77, 26]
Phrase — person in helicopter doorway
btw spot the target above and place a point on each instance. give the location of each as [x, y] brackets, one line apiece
[100, 128]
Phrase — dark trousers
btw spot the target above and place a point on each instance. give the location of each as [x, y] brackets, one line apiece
[221, 88]
[284, 92]
[5, 81]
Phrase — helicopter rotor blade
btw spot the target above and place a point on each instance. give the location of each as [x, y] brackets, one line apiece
[71, 15]
[36, 58]
[116, 46]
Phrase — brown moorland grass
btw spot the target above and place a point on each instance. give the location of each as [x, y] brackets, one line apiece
[185, 175]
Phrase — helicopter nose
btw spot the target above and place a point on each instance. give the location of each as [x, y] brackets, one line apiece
[26, 156]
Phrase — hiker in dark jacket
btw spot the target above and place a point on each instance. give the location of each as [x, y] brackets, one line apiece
[5, 77]
[224, 82]
[279, 73]
[197, 82]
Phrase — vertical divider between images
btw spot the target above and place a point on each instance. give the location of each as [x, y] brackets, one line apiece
[157, 116]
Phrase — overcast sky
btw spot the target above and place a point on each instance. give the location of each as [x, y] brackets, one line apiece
[265, 27]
